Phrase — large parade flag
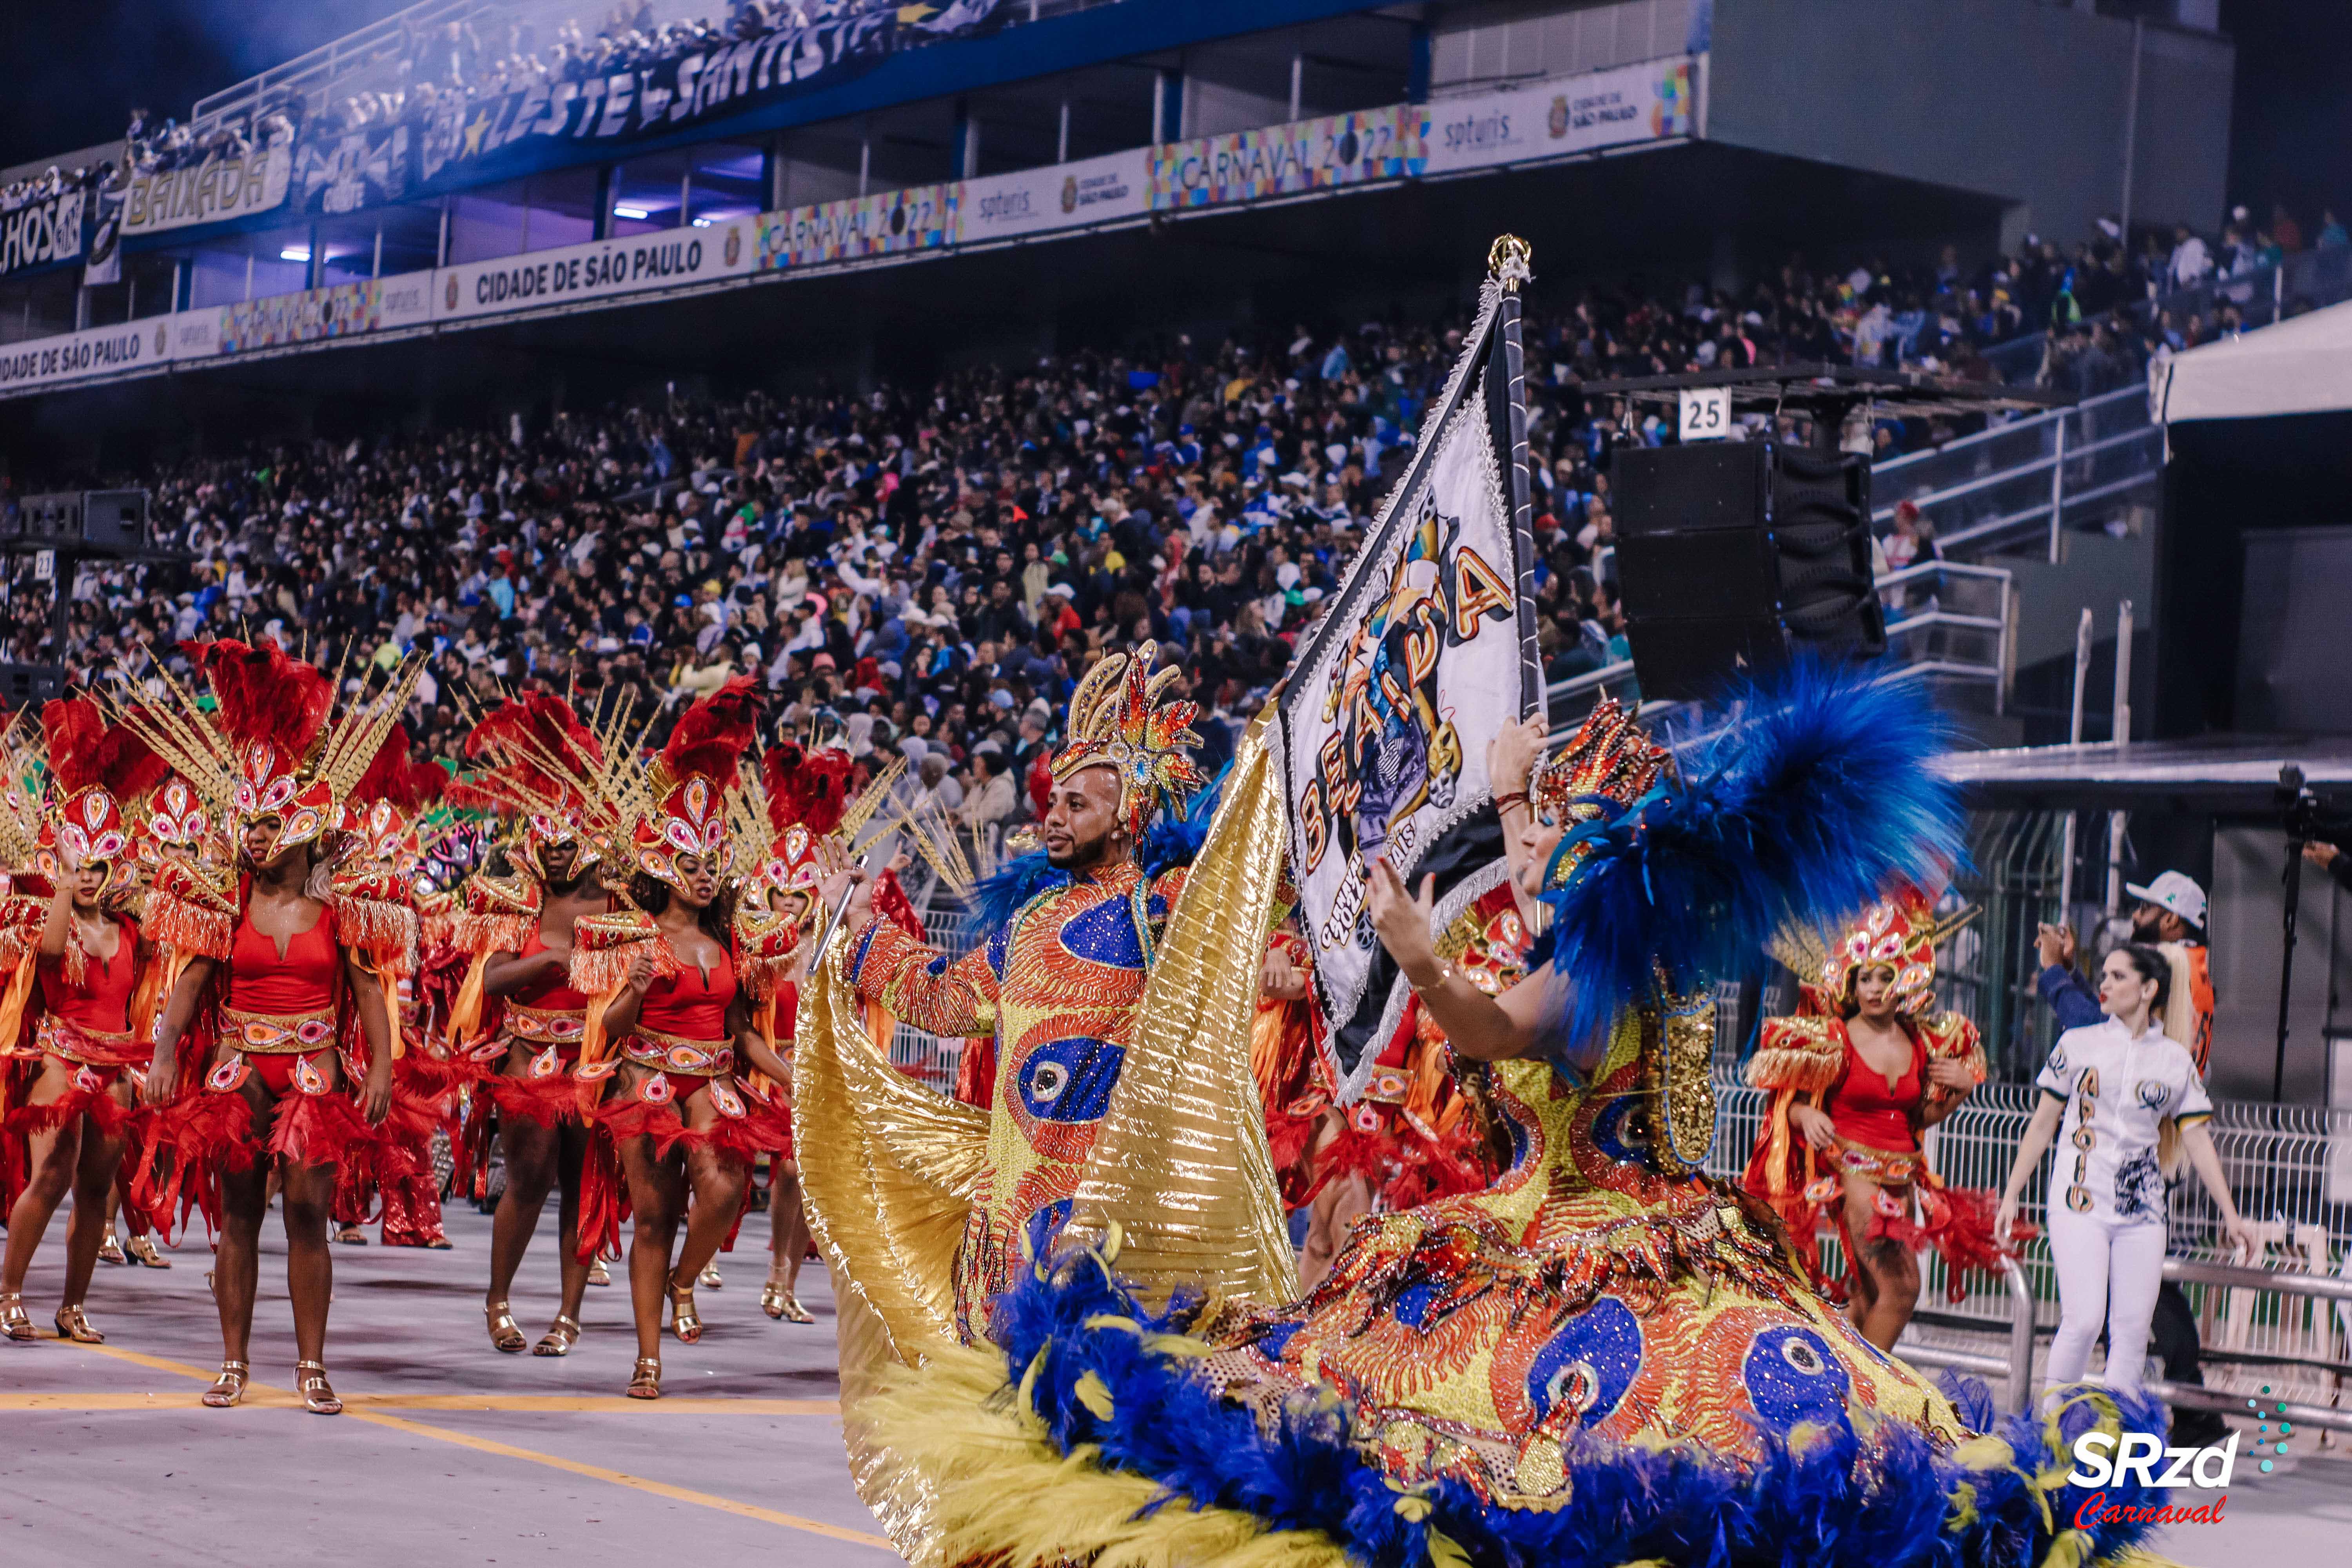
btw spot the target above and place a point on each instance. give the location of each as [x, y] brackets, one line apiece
[1428, 649]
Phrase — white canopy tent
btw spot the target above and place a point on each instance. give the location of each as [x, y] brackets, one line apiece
[2302, 365]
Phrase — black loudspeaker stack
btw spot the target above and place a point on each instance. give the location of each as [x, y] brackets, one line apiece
[1733, 555]
[105, 522]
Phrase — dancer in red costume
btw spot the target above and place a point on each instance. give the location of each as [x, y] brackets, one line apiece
[1866, 1066]
[517, 1019]
[79, 978]
[669, 1024]
[380, 866]
[277, 1023]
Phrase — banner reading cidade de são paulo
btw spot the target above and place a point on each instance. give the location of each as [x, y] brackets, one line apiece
[1650, 101]
[1284, 160]
[98, 352]
[671, 258]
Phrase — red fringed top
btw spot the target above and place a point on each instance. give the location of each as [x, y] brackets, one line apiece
[101, 1002]
[303, 981]
[554, 990]
[685, 1005]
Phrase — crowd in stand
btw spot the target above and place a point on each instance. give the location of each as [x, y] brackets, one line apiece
[932, 571]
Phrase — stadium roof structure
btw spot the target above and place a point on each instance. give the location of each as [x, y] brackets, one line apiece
[2226, 774]
[2299, 366]
[1831, 391]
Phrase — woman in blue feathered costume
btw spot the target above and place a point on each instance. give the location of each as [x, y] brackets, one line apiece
[1609, 1358]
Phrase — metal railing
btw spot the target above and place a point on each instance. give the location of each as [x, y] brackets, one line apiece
[2024, 482]
[1945, 620]
[2280, 1330]
[2088, 467]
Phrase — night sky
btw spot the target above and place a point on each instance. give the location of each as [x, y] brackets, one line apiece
[78, 66]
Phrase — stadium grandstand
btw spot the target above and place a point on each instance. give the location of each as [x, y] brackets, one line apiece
[909, 359]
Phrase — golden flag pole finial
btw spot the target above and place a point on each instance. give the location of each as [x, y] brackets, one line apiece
[1511, 261]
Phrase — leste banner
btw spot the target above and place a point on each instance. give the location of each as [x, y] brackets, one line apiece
[1425, 654]
[453, 140]
[1651, 101]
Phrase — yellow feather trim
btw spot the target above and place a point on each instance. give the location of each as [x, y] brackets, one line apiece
[950, 1423]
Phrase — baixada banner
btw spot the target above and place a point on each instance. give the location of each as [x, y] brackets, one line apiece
[210, 191]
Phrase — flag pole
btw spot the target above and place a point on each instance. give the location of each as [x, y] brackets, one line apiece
[1509, 263]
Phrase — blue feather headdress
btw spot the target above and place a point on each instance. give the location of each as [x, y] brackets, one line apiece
[1815, 799]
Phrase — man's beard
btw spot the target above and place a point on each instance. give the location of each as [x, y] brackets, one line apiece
[1085, 854]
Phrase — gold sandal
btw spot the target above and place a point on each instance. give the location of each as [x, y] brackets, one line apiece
[709, 1279]
[142, 1251]
[16, 1323]
[73, 1323]
[645, 1382]
[506, 1334]
[229, 1387]
[110, 1248]
[683, 1317]
[558, 1338]
[780, 1303]
[598, 1274]
[318, 1396]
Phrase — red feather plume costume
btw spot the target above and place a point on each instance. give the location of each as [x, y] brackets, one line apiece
[374, 886]
[1810, 1060]
[529, 758]
[286, 1019]
[79, 1019]
[679, 1048]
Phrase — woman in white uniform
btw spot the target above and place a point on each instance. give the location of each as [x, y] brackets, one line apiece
[2122, 1087]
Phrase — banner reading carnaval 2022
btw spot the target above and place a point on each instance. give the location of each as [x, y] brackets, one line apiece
[1286, 160]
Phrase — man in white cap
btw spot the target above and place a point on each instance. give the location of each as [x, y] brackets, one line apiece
[2169, 916]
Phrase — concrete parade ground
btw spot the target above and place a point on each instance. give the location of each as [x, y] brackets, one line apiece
[449, 1453]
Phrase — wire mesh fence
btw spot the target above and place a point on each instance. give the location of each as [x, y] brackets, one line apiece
[2289, 1168]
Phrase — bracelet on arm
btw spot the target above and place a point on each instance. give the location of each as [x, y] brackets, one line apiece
[1504, 803]
[1444, 974]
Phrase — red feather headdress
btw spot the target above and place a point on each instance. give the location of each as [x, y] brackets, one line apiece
[691, 779]
[274, 710]
[97, 771]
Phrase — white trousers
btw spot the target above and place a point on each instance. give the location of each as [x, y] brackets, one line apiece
[2110, 1272]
